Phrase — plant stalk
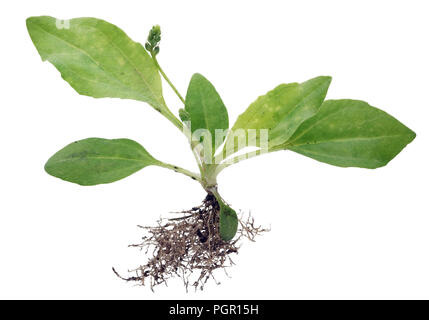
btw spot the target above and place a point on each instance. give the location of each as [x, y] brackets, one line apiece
[173, 119]
[197, 157]
[166, 78]
[237, 159]
[192, 175]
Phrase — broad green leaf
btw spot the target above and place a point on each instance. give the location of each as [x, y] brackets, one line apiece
[350, 133]
[94, 161]
[228, 222]
[205, 108]
[97, 59]
[281, 111]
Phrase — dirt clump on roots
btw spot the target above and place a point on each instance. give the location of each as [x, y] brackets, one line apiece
[189, 247]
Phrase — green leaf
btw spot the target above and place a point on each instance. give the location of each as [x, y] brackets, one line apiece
[94, 161]
[205, 108]
[98, 59]
[228, 222]
[281, 111]
[350, 133]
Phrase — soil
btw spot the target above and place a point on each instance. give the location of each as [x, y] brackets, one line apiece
[189, 247]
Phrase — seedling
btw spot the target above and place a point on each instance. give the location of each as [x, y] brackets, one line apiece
[99, 60]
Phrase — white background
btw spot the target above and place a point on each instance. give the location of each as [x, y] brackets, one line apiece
[336, 233]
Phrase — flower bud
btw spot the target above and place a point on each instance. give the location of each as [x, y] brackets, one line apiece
[154, 36]
[184, 115]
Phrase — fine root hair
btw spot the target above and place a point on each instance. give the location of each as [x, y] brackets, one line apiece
[189, 247]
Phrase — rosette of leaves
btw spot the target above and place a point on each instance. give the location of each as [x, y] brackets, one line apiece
[99, 60]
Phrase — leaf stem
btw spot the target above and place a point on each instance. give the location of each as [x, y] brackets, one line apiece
[173, 119]
[166, 78]
[237, 159]
[188, 173]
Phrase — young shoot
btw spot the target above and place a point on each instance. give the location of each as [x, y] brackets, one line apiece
[99, 60]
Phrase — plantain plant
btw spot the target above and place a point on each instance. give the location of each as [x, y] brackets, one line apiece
[99, 60]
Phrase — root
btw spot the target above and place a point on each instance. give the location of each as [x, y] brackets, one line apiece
[189, 247]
